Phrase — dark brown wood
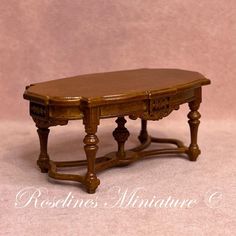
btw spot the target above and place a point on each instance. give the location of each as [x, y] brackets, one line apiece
[143, 136]
[91, 121]
[194, 122]
[43, 160]
[121, 134]
[148, 94]
[43, 131]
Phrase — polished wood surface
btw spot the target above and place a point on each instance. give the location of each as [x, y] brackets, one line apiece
[116, 85]
[148, 94]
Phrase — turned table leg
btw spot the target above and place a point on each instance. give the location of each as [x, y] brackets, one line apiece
[121, 134]
[91, 121]
[143, 136]
[43, 160]
[194, 116]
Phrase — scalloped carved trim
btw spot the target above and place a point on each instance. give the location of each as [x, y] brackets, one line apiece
[158, 108]
[47, 123]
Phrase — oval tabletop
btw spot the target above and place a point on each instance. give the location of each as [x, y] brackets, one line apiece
[114, 85]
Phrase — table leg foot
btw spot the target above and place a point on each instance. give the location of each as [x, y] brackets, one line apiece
[43, 165]
[91, 191]
[91, 183]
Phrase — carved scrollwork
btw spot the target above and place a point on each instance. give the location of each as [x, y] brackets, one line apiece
[158, 108]
[38, 110]
[40, 115]
[47, 123]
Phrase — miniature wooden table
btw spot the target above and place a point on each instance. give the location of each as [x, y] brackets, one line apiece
[148, 94]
